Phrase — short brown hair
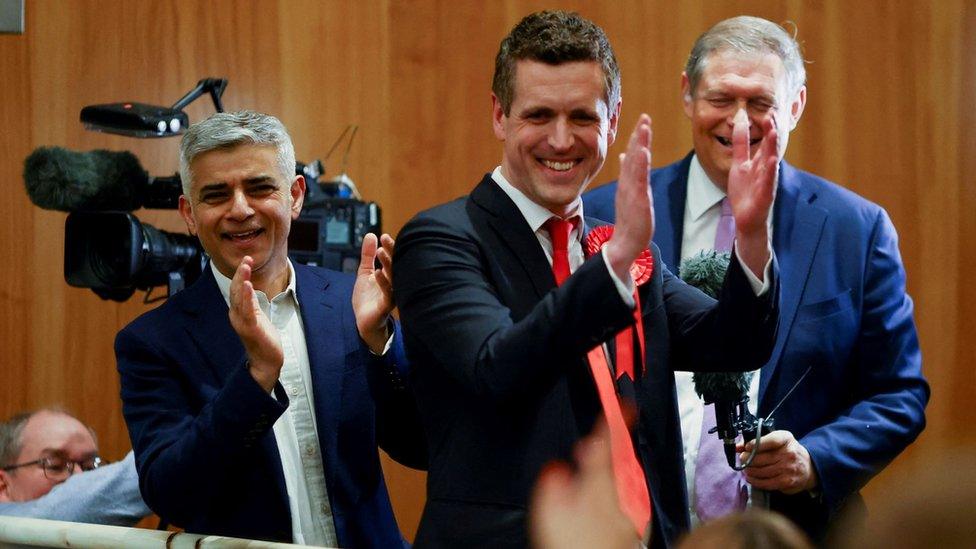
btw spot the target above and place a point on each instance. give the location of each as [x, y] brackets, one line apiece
[554, 37]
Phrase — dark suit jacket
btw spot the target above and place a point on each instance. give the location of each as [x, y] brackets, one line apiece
[498, 355]
[201, 426]
[844, 312]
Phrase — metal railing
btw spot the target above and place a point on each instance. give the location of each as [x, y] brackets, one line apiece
[28, 532]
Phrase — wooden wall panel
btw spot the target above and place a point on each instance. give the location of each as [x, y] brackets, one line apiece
[891, 92]
[959, 382]
[16, 220]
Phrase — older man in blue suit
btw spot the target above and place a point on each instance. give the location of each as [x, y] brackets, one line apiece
[256, 397]
[844, 313]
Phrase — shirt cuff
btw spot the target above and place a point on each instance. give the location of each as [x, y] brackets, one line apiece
[759, 287]
[624, 288]
[389, 340]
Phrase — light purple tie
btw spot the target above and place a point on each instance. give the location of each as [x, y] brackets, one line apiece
[719, 489]
[726, 228]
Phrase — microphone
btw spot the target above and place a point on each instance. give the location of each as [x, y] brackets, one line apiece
[729, 391]
[100, 180]
[706, 271]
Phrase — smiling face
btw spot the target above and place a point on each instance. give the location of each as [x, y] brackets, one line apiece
[732, 81]
[241, 204]
[557, 131]
[47, 434]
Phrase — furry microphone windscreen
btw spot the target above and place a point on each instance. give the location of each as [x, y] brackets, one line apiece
[706, 271]
[59, 179]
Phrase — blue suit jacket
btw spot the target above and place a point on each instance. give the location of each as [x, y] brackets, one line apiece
[843, 312]
[201, 426]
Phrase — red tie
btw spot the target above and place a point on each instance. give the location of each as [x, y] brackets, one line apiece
[631, 485]
[559, 230]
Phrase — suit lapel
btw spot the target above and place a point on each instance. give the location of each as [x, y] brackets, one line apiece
[323, 316]
[514, 232]
[670, 187]
[798, 225]
[209, 327]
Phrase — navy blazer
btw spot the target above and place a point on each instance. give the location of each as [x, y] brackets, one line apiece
[843, 312]
[499, 369]
[201, 426]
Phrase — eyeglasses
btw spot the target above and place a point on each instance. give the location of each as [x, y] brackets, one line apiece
[56, 468]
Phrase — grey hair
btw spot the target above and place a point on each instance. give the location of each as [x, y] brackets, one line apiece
[226, 130]
[750, 35]
[11, 440]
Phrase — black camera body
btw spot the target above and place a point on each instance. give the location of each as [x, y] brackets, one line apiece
[330, 230]
[114, 254]
[329, 233]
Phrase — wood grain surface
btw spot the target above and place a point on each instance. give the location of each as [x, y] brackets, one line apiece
[892, 104]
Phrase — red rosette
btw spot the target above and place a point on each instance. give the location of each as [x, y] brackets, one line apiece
[642, 268]
[596, 238]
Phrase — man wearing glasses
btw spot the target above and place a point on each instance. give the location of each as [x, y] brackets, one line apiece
[50, 468]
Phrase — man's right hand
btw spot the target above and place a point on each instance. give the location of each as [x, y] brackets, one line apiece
[260, 338]
[781, 463]
[635, 211]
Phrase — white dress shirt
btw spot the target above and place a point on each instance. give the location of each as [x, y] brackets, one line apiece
[295, 431]
[702, 212]
[536, 216]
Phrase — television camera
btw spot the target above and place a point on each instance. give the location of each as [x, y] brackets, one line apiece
[107, 248]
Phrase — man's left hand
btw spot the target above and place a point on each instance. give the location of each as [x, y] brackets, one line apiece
[781, 464]
[635, 209]
[372, 296]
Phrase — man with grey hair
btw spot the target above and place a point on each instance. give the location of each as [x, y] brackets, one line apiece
[256, 397]
[50, 469]
[846, 337]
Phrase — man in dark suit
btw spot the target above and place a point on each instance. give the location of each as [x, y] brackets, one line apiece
[507, 366]
[844, 313]
[255, 398]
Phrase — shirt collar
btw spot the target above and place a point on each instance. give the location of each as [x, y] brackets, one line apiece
[702, 193]
[223, 283]
[534, 214]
